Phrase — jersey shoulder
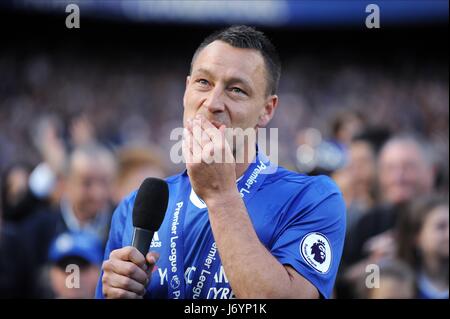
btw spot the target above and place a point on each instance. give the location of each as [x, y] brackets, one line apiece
[301, 197]
[293, 183]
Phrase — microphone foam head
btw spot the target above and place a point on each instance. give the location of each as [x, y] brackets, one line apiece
[151, 204]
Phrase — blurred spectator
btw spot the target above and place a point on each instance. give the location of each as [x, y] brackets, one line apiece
[375, 136]
[396, 281]
[134, 165]
[15, 275]
[316, 155]
[423, 243]
[16, 271]
[47, 136]
[81, 131]
[17, 201]
[73, 268]
[405, 171]
[25, 190]
[357, 181]
[345, 126]
[85, 205]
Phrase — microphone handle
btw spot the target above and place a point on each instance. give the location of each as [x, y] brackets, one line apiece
[142, 238]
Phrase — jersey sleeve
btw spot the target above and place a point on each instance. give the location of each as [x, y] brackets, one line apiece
[311, 234]
[115, 235]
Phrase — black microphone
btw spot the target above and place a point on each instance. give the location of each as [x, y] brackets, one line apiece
[148, 212]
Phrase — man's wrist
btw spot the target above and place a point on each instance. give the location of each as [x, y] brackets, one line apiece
[224, 199]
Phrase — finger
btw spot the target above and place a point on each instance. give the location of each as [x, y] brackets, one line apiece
[214, 149]
[227, 137]
[218, 136]
[208, 154]
[129, 253]
[199, 134]
[186, 146]
[195, 148]
[210, 130]
[191, 148]
[224, 132]
[189, 125]
[152, 258]
[117, 293]
[126, 268]
[125, 283]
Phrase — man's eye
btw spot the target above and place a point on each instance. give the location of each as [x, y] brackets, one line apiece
[203, 82]
[238, 90]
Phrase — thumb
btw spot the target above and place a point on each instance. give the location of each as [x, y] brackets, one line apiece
[151, 258]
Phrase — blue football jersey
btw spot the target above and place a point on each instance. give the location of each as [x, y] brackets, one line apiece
[300, 219]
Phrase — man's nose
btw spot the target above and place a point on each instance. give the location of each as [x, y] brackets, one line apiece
[398, 174]
[215, 101]
[97, 190]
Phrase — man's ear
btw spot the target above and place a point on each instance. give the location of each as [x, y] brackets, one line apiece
[268, 111]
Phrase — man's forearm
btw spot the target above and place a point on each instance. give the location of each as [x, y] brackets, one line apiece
[252, 271]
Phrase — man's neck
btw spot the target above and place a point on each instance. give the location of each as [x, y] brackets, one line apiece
[80, 217]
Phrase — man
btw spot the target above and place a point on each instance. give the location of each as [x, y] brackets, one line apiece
[231, 229]
[85, 203]
[406, 172]
[74, 264]
[357, 180]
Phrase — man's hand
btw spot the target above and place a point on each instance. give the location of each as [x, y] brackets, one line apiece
[127, 273]
[209, 159]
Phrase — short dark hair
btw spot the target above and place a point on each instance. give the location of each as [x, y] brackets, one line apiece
[245, 37]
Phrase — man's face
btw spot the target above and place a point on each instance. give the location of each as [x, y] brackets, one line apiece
[228, 86]
[362, 164]
[89, 186]
[404, 173]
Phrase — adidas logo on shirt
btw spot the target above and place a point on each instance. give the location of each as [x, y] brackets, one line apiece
[156, 243]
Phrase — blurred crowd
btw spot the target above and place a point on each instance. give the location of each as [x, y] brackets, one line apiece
[78, 133]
